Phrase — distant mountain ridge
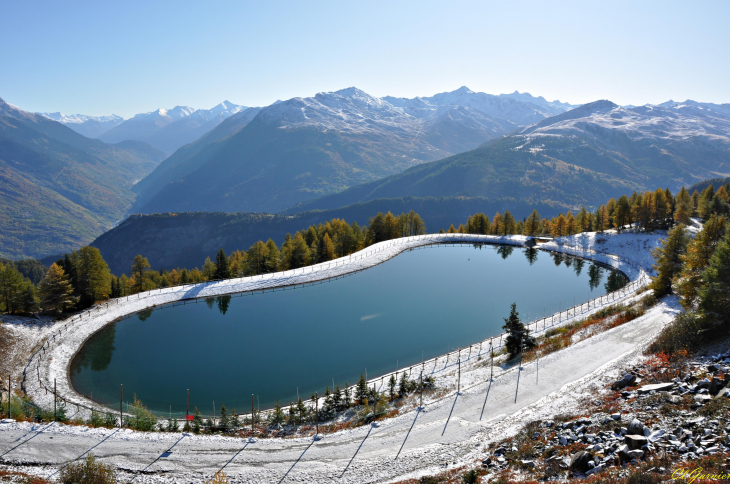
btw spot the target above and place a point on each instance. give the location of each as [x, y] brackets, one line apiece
[59, 188]
[302, 148]
[169, 129]
[583, 156]
[89, 126]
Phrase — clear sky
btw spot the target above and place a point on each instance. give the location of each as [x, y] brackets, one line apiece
[102, 57]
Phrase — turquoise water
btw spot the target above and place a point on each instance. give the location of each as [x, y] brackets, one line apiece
[419, 304]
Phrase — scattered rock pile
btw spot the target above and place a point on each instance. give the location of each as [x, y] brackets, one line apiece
[676, 411]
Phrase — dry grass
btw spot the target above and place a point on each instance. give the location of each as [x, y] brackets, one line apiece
[20, 478]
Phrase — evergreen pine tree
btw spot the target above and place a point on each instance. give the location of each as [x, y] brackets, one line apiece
[696, 259]
[361, 391]
[668, 260]
[337, 397]
[347, 396]
[714, 294]
[403, 385]
[518, 336]
[301, 411]
[277, 416]
[222, 267]
[197, 421]
[224, 423]
[56, 291]
[391, 386]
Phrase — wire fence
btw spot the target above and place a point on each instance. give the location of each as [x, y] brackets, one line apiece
[449, 359]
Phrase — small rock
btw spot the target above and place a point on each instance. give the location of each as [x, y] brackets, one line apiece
[657, 387]
[704, 383]
[703, 398]
[636, 454]
[528, 463]
[7, 421]
[627, 380]
[623, 453]
[579, 461]
[656, 435]
[616, 416]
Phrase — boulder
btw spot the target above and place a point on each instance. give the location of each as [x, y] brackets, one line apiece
[627, 380]
[623, 453]
[579, 461]
[635, 442]
[635, 428]
[656, 387]
[656, 435]
[704, 383]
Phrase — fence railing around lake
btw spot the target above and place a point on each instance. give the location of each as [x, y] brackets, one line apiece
[496, 342]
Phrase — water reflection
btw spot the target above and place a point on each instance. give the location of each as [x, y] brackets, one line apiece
[615, 281]
[531, 255]
[98, 357]
[223, 303]
[594, 276]
[578, 266]
[557, 258]
[505, 251]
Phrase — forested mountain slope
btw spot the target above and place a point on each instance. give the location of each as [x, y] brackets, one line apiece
[171, 240]
[582, 156]
[60, 189]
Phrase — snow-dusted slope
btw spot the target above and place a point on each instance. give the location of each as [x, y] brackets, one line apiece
[89, 126]
[670, 121]
[169, 129]
[513, 109]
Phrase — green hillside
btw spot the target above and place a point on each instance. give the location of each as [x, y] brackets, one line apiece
[564, 170]
[59, 189]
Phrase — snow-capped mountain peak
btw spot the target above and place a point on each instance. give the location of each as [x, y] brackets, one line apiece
[81, 118]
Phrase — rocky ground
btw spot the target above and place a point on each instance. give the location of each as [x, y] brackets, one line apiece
[665, 418]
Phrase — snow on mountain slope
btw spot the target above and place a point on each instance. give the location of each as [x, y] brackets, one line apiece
[669, 121]
[553, 107]
[515, 109]
[89, 126]
[169, 129]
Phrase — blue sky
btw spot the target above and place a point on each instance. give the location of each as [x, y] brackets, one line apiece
[130, 57]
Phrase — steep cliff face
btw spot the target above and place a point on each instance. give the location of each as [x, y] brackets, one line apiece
[171, 240]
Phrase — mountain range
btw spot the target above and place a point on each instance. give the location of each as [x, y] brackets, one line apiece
[89, 126]
[350, 149]
[58, 188]
[582, 156]
[304, 148]
[165, 129]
